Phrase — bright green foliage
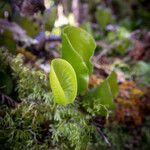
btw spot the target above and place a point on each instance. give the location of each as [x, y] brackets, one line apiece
[77, 48]
[103, 16]
[63, 81]
[34, 124]
[82, 42]
[49, 18]
[31, 85]
[100, 100]
[72, 127]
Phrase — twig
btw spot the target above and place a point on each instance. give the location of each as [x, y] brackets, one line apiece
[104, 137]
[102, 134]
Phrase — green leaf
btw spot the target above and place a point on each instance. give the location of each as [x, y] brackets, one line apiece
[49, 18]
[105, 93]
[103, 17]
[7, 40]
[77, 48]
[87, 27]
[63, 81]
[112, 82]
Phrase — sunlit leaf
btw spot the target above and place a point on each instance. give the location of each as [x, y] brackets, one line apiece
[63, 81]
[103, 17]
[87, 27]
[77, 48]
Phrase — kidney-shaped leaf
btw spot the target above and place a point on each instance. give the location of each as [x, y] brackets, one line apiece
[63, 81]
[77, 48]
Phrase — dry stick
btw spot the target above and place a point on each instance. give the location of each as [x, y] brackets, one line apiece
[104, 137]
[102, 134]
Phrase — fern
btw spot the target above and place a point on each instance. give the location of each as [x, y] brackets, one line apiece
[35, 123]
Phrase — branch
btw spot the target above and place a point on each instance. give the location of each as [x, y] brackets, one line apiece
[101, 132]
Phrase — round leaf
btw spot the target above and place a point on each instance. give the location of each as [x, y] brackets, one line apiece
[82, 42]
[63, 81]
[77, 48]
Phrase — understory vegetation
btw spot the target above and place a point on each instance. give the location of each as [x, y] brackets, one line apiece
[74, 75]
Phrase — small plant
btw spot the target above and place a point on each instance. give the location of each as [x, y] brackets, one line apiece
[36, 122]
[77, 48]
[99, 101]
